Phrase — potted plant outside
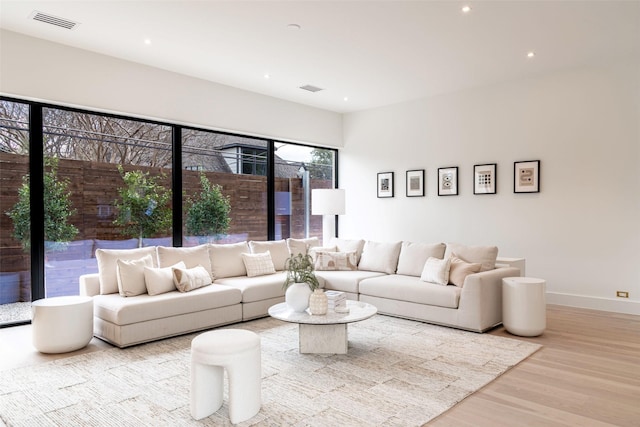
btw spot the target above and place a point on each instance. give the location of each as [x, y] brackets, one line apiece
[300, 282]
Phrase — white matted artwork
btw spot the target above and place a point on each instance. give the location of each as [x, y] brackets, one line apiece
[385, 184]
[484, 178]
[448, 181]
[526, 176]
[415, 183]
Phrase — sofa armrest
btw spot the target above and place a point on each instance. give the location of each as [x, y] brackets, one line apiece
[90, 284]
[481, 298]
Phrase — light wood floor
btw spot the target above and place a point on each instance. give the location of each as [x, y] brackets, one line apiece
[587, 374]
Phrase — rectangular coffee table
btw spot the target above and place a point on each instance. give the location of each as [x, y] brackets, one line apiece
[323, 334]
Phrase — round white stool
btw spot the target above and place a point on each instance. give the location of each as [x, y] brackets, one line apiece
[524, 311]
[62, 324]
[237, 351]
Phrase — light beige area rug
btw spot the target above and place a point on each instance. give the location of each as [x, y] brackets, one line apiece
[397, 373]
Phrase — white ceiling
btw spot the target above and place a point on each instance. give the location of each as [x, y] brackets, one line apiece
[373, 52]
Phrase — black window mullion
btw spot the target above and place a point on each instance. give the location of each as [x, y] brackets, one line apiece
[36, 200]
[176, 185]
[271, 191]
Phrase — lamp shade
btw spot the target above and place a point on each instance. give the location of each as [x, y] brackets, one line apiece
[327, 201]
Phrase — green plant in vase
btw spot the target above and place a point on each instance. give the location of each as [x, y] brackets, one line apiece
[300, 282]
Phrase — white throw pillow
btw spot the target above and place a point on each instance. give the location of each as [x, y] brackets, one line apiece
[130, 275]
[160, 280]
[191, 256]
[107, 259]
[279, 251]
[226, 259]
[301, 246]
[382, 257]
[414, 255]
[188, 279]
[460, 270]
[341, 261]
[258, 264]
[485, 255]
[436, 271]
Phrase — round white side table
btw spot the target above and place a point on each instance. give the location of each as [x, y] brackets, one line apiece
[62, 324]
[524, 310]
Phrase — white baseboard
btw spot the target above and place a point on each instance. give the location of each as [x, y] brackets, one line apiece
[594, 303]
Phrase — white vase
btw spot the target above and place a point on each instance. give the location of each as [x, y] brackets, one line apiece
[297, 296]
[318, 302]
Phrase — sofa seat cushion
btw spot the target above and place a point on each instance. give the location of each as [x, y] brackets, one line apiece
[412, 289]
[124, 311]
[345, 281]
[257, 288]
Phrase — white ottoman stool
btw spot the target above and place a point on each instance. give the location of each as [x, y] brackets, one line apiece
[62, 324]
[524, 311]
[237, 351]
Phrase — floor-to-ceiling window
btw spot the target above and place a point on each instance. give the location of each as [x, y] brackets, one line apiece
[225, 188]
[118, 182]
[107, 185]
[15, 241]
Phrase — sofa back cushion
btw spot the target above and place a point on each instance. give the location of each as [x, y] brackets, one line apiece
[107, 263]
[301, 246]
[413, 256]
[226, 260]
[485, 255]
[192, 257]
[348, 245]
[381, 257]
[278, 249]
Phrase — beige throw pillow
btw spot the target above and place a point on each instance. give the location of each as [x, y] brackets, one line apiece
[258, 264]
[341, 261]
[160, 280]
[436, 271]
[188, 279]
[130, 276]
[461, 269]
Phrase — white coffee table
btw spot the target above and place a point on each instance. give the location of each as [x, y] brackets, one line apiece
[323, 334]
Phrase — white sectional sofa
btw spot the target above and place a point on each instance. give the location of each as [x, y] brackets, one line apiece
[136, 298]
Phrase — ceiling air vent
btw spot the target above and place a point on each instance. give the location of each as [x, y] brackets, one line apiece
[311, 88]
[53, 20]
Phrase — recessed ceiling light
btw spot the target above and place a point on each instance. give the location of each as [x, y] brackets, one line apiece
[531, 54]
[466, 9]
[346, 98]
[294, 26]
[267, 76]
[147, 41]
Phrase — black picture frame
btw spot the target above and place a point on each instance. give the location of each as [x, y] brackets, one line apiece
[415, 183]
[385, 184]
[485, 178]
[526, 176]
[448, 181]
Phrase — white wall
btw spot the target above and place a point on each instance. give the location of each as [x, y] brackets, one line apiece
[581, 232]
[38, 69]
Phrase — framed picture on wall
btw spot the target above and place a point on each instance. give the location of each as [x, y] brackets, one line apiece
[526, 176]
[484, 178]
[448, 181]
[415, 183]
[385, 184]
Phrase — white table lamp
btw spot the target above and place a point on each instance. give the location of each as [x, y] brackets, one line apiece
[328, 202]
